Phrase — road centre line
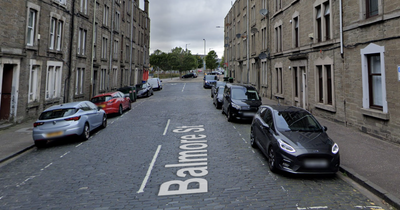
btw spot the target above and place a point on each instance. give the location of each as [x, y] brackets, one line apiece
[46, 166]
[183, 87]
[149, 170]
[64, 154]
[166, 127]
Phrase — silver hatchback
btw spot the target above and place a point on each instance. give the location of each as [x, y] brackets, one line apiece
[70, 119]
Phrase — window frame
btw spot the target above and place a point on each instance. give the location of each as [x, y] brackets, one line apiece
[53, 80]
[373, 49]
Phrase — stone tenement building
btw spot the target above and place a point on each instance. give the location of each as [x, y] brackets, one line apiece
[58, 51]
[338, 59]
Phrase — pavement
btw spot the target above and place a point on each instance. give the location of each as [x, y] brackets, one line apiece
[367, 160]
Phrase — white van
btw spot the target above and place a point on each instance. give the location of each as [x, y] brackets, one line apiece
[156, 83]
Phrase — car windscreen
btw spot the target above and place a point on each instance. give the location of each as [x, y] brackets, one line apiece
[57, 113]
[140, 86]
[221, 90]
[244, 94]
[101, 99]
[210, 77]
[296, 121]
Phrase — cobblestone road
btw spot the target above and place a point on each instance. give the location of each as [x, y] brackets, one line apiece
[148, 159]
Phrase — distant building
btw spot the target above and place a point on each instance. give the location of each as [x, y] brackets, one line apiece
[337, 59]
[49, 56]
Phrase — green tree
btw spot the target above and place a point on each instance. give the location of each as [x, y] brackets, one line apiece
[212, 60]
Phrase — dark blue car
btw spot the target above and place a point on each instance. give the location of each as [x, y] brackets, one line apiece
[209, 80]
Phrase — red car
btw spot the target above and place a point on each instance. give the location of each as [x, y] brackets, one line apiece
[113, 102]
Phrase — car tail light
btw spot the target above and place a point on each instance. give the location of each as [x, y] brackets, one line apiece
[36, 124]
[73, 118]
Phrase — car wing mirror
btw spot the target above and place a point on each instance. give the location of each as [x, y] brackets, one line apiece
[325, 128]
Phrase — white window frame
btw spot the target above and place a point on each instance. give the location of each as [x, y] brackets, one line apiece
[104, 47]
[53, 80]
[321, 5]
[34, 81]
[106, 13]
[103, 76]
[59, 35]
[115, 76]
[278, 36]
[373, 49]
[295, 24]
[84, 7]
[79, 78]
[82, 41]
[53, 22]
[32, 23]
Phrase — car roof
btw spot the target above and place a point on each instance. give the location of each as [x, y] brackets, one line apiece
[285, 108]
[74, 104]
[233, 85]
[106, 94]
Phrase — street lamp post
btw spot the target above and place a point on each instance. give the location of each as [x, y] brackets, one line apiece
[204, 57]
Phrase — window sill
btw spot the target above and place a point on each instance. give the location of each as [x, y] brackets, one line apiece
[33, 104]
[326, 107]
[375, 113]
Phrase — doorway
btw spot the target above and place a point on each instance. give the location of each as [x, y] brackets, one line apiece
[6, 92]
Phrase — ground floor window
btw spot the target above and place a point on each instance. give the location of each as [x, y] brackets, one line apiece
[53, 80]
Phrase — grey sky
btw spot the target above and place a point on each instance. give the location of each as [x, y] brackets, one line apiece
[175, 23]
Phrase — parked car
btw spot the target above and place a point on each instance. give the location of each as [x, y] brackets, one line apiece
[75, 118]
[213, 88]
[209, 80]
[294, 141]
[240, 101]
[144, 90]
[113, 102]
[190, 75]
[155, 83]
[218, 96]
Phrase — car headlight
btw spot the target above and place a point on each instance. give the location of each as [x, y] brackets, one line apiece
[236, 106]
[335, 149]
[285, 146]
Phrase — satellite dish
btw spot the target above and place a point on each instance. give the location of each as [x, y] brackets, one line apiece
[264, 12]
[262, 56]
[238, 35]
[254, 30]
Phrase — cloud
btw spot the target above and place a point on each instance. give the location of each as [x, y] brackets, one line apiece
[181, 23]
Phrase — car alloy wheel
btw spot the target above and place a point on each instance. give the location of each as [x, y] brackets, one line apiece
[229, 115]
[86, 132]
[120, 110]
[252, 139]
[271, 159]
[104, 123]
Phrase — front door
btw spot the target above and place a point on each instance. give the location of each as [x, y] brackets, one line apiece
[6, 92]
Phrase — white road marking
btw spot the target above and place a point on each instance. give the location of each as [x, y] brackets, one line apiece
[64, 154]
[166, 127]
[79, 145]
[149, 170]
[46, 166]
[368, 207]
[312, 207]
[183, 87]
[244, 140]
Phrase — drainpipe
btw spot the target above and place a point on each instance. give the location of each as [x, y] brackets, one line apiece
[91, 93]
[130, 50]
[111, 44]
[71, 45]
[247, 43]
[341, 27]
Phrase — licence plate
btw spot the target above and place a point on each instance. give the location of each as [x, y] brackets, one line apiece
[54, 134]
[316, 163]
